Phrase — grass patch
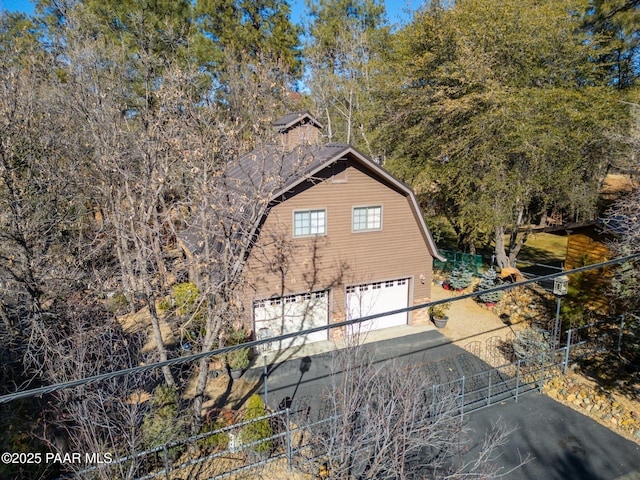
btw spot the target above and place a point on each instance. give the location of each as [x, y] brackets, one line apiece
[544, 247]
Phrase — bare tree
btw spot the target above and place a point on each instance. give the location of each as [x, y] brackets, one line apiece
[102, 418]
[390, 421]
[159, 165]
[343, 43]
[228, 209]
[622, 218]
[41, 219]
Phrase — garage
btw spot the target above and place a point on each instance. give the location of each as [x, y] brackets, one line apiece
[292, 313]
[378, 297]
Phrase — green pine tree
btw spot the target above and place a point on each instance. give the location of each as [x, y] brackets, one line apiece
[498, 112]
[488, 281]
[247, 30]
[460, 278]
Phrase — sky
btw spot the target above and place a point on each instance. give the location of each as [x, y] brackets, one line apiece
[396, 9]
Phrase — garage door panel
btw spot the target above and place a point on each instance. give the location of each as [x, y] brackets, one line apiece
[378, 297]
[293, 313]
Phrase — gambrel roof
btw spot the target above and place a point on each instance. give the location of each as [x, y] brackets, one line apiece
[271, 173]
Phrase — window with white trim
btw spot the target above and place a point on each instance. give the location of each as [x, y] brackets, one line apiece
[367, 218]
[309, 222]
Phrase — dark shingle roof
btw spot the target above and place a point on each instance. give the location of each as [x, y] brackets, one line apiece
[291, 119]
[266, 173]
[254, 180]
[271, 170]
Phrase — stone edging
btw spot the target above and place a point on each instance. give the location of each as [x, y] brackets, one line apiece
[596, 403]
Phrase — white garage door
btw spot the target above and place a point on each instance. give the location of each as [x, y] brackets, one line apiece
[292, 313]
[378, 297]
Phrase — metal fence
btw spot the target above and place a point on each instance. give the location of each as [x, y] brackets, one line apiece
[228, 451]
[496, 350]
[458, 259]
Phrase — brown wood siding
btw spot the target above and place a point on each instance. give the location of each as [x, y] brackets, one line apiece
[340, 257]
[587, 248]
[583, 249]
[306, 134]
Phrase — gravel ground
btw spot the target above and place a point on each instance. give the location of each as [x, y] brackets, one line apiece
[470, 322]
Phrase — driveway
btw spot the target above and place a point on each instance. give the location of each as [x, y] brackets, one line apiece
[563, 444]
[304, 378]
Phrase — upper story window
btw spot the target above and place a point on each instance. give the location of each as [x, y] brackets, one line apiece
[309, 222]
[367, 218]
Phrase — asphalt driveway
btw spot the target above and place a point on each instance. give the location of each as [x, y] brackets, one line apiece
[304, 379]
[562, 443]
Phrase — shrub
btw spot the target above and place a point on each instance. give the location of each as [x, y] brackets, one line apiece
[185, 296]
[162, 423]
[216, 441]
[118, 303]
[489, 281]
[460, 278]
[531, 346]
[439, 311]
[237, 337]
[258, 429]
[238, 359]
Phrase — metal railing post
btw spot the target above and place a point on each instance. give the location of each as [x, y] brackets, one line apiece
[518, 379]
[620, 334]
[566, 353]
[556, 325]
[166, 461]
[433, 401]
[542, 372]
[266, 382]
[289, 442]
[489, 390]
[462, 398]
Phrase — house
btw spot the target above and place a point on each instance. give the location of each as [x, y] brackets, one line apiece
[337, 237]
[589, 243]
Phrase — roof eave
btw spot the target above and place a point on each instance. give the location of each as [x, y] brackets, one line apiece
[298, 119]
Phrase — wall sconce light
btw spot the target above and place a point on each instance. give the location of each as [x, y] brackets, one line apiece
[422, 278]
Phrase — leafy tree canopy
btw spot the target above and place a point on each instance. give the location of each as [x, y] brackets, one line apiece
[495, 112]
[617, 22]
[256, 29]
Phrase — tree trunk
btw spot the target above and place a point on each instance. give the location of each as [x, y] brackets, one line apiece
[128, 281]
[513, 237]
[465, 241]
[349, 116]
[329, 129]
[157, 335]
[516, 246]
[506, 254]
[213, 328]
[127, 275]
[502, 259]
[157, 251]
